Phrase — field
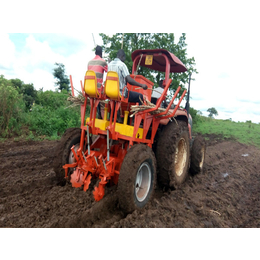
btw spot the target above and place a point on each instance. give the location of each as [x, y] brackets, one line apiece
[225, 195]
[247, 133]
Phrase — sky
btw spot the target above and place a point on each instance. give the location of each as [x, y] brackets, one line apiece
[222, 36]
[223, 39]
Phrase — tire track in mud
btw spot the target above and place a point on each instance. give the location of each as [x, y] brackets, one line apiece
[226, 194]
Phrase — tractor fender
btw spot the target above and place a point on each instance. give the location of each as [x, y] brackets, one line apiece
[180, 115]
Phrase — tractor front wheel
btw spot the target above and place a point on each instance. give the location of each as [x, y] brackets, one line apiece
[137, 178]
[63, 154]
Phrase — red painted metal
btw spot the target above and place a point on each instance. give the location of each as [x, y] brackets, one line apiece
[163, 60]
[71, 84]
[82, 89]
[175, 109]
[96, 165]
[90, 77]
[159, 60]
[170, 104]
[112, 78]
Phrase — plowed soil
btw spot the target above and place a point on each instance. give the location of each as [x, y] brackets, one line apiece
[225, 195]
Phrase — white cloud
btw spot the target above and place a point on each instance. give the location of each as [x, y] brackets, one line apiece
[227, 62]
[7, 52]
[227, 65]
[76, 64]
[34, 64]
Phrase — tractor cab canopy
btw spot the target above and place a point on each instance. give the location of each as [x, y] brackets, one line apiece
[159, 60]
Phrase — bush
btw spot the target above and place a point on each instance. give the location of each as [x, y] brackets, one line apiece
[11, 109]
[27, 90]
[196, 116]
[52, 100]
[193, 113]
[50, 116]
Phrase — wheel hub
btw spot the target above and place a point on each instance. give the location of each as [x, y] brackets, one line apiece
[71, 155]
[143, 182]
[202, 157]
[180, 157]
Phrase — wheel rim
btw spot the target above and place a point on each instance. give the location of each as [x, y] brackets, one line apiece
[203, 156]
[71, 155]
[143, 182]
[180, 157]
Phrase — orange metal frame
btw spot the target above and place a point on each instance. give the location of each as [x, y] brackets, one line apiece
[102, 160]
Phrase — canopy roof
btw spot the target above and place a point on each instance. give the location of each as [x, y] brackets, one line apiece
[159, 62]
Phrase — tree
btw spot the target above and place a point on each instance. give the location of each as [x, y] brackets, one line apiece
[212, 111]
[52, 100]
[27, 90]
[135, 41]
[11, 108]
[62, 80]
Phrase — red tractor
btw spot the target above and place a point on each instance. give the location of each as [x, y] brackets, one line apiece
[151, 145]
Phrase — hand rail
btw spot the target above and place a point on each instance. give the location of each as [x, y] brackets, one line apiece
[159, 100]
[167, 109]
[177, 106]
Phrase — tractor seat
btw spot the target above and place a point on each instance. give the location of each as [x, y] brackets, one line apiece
[90, 84]
[112, 90]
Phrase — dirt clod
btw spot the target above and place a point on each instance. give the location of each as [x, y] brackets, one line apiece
[225, 194]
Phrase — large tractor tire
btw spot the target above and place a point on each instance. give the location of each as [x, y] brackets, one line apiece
[137, 178]
[63, 154]
[173, 155]
[198, 152]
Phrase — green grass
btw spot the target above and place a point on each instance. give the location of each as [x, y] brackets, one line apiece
[247, 133]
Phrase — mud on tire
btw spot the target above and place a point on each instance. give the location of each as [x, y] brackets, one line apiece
[63, 154]
[198, 152]
[137, 178]
[173, 155]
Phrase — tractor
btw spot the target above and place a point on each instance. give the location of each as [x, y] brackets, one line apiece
[153, 145]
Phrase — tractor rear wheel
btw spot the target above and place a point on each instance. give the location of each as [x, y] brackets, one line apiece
[198, 152]
[173, 155]
[63, 154]
[137, 178]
